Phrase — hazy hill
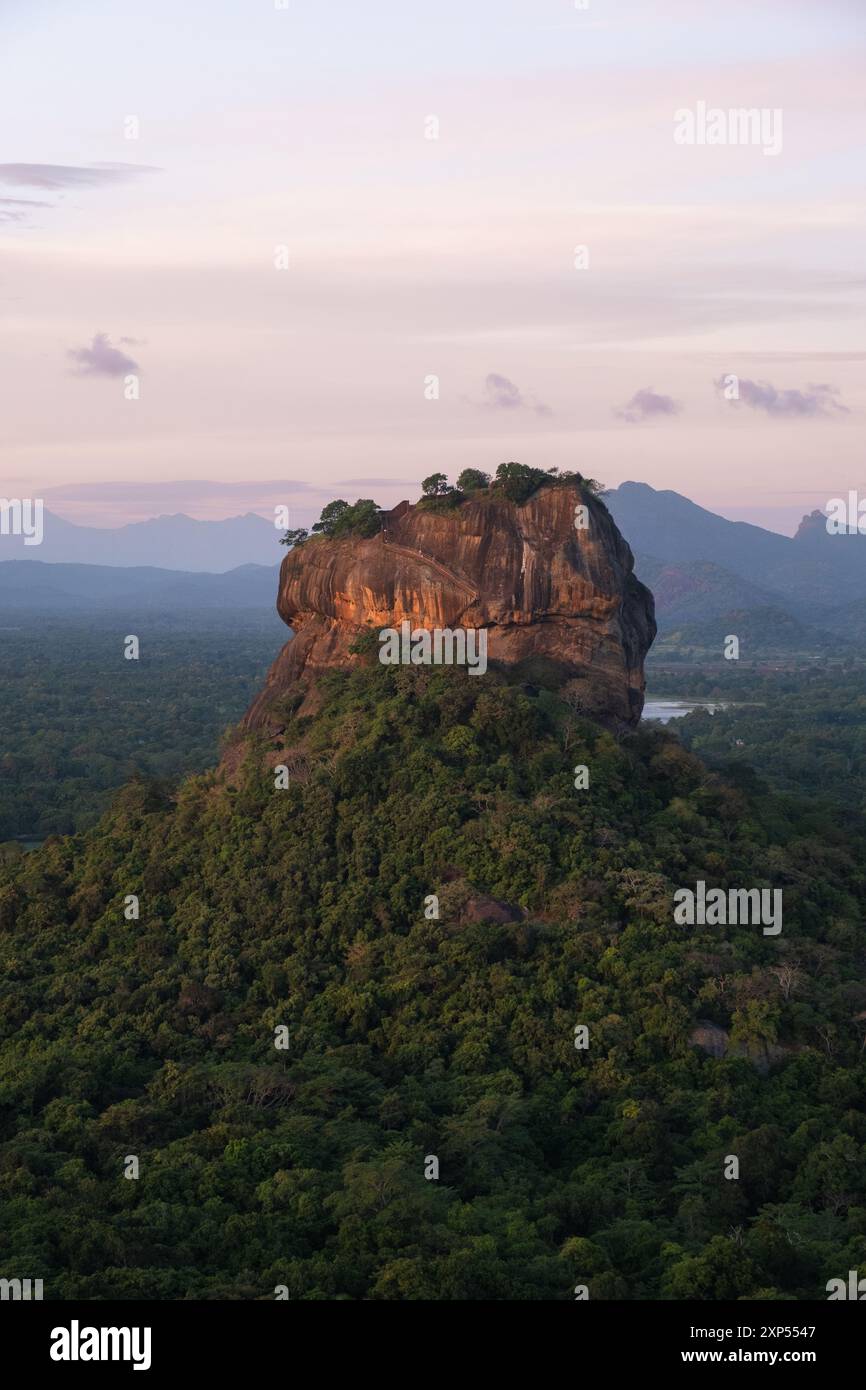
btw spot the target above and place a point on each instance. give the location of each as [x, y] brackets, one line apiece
[813, 571]
[33, 585]
[170, 542]
[763, 632]
[698, 589]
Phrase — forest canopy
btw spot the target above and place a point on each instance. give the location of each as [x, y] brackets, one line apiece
[409, 1037]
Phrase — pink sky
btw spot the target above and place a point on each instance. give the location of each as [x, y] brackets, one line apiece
[411, 257]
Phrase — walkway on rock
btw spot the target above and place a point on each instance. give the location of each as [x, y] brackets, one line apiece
[416, 554]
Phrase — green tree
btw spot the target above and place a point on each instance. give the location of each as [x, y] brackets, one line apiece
[518, 481]
[338, 519]
[435, 486]
[331, 515]
[471, 479]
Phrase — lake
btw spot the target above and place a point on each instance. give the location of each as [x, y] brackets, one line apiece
[666, 710]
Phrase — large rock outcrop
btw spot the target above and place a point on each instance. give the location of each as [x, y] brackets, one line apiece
[541, 587]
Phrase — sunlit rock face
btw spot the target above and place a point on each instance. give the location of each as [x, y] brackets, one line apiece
[543, 588]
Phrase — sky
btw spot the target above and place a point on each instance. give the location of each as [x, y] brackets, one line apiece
[274, 225]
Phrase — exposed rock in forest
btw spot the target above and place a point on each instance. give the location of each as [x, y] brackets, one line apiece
[546, 591]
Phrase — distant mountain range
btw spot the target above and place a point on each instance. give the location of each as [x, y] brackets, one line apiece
[700, 566]
[168, 542]
[34, 586]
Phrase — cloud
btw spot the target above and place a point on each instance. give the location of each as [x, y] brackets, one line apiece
[376, 482]
[13, 209]
[101, 359]
[56, 176]
[814, 399]
[502, 394]
[175, 489]
[645, 404]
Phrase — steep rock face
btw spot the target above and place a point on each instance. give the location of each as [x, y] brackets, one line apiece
[540, 587]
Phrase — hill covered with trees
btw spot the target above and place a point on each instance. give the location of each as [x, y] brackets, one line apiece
[303, 916]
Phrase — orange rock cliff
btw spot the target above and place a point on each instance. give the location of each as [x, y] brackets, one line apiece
[539, 585]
